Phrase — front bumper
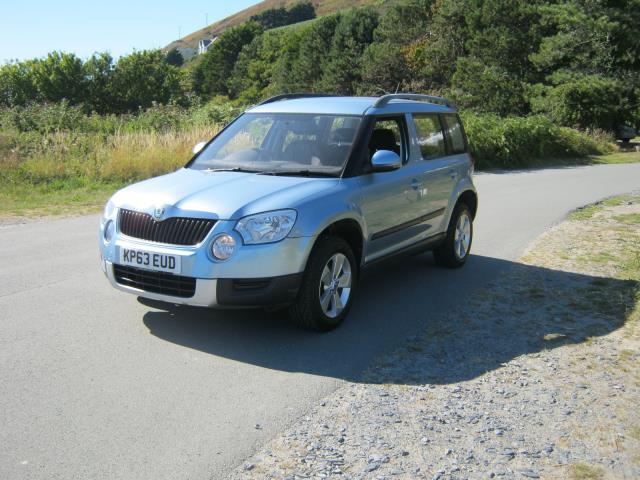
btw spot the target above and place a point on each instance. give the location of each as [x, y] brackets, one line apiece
[225, 292]
[256, 275]
[205, 292]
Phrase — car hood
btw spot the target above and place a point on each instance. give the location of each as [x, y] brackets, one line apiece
[220, 195]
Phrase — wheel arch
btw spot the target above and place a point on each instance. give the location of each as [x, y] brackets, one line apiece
[350, 231]
[470, 199]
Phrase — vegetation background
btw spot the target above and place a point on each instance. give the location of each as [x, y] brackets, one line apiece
[537, 81]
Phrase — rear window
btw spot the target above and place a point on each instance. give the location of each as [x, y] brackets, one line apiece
[430, 136]
[455, 135]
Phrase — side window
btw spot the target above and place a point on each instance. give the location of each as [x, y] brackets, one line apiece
[430, 136]
[387, 135]
[455, 136]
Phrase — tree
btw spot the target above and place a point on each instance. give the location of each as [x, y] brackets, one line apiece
[342, 69]
[308, 57]
[272, 18]
[58, 76]
[254, 70]
[98, 71]
[174, 57]
[583, 101]
[445, 42]
[301, 12]
[142, 78]
[386, 63]
[16, 84]
[487, 88]
[279, 17]
[211, 75]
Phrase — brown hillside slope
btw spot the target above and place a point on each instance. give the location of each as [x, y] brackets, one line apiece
[323, 7]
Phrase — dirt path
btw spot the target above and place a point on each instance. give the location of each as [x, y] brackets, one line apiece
[535, 377]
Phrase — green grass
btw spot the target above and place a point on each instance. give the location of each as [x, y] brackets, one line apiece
[586, 213]
[628, 218]
[620, 199]
[39, 201]
[580, 471]
[618, 157]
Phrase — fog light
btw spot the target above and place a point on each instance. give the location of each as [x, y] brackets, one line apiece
[223, 246]
[108, 231]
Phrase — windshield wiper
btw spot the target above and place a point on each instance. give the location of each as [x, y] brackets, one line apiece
[297, 173]
[234, 169]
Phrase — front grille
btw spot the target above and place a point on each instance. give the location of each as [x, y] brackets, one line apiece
[155, 282]
[174, 231]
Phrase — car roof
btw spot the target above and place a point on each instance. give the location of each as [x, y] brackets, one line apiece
[348, 106]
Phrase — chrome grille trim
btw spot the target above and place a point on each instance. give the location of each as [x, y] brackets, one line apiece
[172, 231]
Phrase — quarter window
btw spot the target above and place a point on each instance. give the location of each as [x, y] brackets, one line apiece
[455, 135]
[430, 136]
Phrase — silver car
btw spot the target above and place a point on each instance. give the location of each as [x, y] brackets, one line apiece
[289, 202]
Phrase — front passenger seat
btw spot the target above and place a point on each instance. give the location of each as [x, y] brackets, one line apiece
[383, 139]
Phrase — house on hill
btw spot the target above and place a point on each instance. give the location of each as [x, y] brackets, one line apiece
[204, 44]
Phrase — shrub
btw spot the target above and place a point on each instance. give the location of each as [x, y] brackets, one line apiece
[519, 141]
[582, 101]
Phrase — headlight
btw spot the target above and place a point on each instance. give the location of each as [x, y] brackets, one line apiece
[266, 227]
[223, 246]
[108, 211]
[108, 230]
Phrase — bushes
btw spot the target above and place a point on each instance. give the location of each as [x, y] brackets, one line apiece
[520, 141]
[61, 117]
[584, 101]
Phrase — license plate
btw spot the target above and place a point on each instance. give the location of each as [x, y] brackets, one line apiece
[160, 262]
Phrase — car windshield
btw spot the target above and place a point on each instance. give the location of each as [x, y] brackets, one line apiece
[282, 143]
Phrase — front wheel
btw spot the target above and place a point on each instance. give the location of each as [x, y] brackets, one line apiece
[328, 285]
[454, 251]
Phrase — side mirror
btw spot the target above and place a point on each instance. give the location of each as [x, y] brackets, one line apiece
[198, 147]
[385, 161]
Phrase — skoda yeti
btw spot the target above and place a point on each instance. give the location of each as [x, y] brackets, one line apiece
[289, 202]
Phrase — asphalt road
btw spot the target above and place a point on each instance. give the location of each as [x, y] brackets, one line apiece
[96, 384]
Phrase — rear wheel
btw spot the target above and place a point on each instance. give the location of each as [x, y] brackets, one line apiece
[454, 251]
[328, 285]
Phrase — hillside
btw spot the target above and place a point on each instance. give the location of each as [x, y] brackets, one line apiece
[323, 7]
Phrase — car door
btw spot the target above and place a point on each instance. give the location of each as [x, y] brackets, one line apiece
[390, 201]
[438, 169]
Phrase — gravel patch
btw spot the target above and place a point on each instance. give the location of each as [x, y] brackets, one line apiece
[535, 376]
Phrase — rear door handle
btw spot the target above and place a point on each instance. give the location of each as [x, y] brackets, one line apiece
[453, 174]
[415, 184]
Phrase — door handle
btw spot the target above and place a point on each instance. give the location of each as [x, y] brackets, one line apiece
[453, 174]
[415, 184]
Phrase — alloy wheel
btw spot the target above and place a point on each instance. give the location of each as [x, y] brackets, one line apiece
[335, 285]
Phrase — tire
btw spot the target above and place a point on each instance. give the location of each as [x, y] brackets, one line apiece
[307, 310]
[454, 251]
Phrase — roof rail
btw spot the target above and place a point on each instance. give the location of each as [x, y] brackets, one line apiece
[293, 96]
[385, 99]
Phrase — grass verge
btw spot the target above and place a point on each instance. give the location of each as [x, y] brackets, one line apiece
[22, 201]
